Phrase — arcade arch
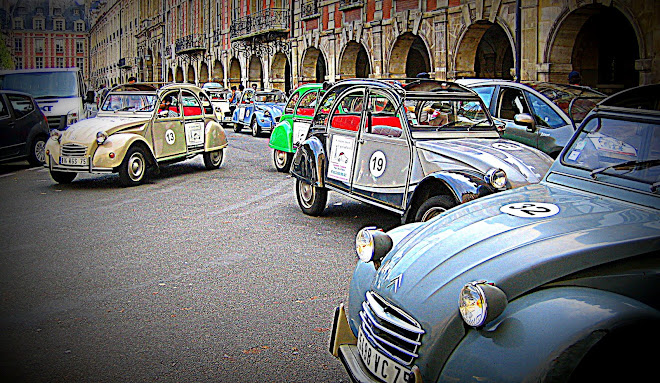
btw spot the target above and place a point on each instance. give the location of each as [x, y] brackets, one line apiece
[280, 71]
[313, 66]
[484, 51]
[409, 56]
[354, 61]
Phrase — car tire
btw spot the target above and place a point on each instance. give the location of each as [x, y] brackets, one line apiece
[37, 154]
[133, 169]
[311, 199]
[63, 177]
[433, 206]
[237, 127]
[213, 160]
[256, 129]
[282, 160]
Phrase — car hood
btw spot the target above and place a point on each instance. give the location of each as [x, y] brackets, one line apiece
[478, 241]
[522, 164]
[85, 131]
[275, 109]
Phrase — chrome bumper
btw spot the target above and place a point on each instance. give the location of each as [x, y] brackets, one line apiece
[51, 165]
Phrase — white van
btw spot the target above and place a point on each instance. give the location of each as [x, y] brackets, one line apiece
[60, 93]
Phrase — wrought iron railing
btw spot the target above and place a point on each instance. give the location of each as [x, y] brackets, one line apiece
[309, 9]
[261, 22]
[125, 62]
[350, 4]
[190, 43]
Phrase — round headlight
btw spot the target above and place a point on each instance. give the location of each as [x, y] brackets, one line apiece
[55, 135]
[364, 244]
[101, 137]
[496, 178]
[480, 302]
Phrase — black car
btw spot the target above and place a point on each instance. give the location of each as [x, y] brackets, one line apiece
[23, 128]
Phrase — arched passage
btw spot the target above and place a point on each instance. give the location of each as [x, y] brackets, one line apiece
[191, 74]
[313, 66]
[409, 56]
[354, 61]
[218, 73]
[600, 43]
[280, 71]
[484, 51]
[255, 72]
[159, 68]
[150, 66]
[203, 73]
[179, 74]
[170, 76]
[234, 72]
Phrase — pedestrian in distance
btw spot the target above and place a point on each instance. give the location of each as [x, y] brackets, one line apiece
[132, 80]
[574, 78]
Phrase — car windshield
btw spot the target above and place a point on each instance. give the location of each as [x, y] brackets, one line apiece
[270, 97]
[447, 115]
[627, 149]
[562, 95]
[219, 96]
[42, 84]
[122, 102]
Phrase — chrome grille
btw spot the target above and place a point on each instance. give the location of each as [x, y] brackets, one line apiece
[55, 122]
[74, 150]
[390, 329]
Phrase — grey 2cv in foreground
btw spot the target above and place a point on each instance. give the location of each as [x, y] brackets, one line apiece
[552, 282]
[417, 149]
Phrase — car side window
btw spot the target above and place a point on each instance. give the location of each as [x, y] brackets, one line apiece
[346, 115]
[288, 109]
[543, 113]
[307, 103]
[22, 105]
[384, 119]
[206, 103]
[191, 107]
[3, 109]
[486, 94]
[169, 105]
[511, 102]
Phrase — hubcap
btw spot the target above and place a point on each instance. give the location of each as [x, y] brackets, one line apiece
[307, 193]
[136, 166]
[432, 213]
[216, 157]
[280, 158]
[40, 151]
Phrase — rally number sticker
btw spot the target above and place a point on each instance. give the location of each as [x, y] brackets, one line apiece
[170, 137]
[530, 209]
[377, 163]
[506, 146]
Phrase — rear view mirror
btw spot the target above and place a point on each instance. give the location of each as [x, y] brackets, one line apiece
[527, 120]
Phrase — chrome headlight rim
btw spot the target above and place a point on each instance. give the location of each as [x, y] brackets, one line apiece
[480, 302]
[55, 135]
[364, 244]
[101, 137]
[496, 178]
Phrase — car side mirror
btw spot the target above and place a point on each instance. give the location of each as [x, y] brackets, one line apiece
[527, 120]
[500, 126]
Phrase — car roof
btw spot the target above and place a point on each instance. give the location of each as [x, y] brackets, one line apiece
[640, 98]
[3, 91]
[39, 70]
[415, 88]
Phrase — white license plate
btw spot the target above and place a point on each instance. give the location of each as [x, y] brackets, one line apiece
[379, 365]
[73, 161]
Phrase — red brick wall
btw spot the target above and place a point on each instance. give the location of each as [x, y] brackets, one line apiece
[431, 5]
[387, 9]
[453, 3]
[353, 14]
[371, 9]
[312, 24]
[326, 17]
[402, 5]
[338, 16]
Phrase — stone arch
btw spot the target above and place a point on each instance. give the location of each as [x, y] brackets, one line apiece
[149, 61]
[255, 72]
[409, 56]
[234, 72]
[218, 72]
[485, 50]
[314, 67]
[203, 72]
[280, 71]
[179, 74]
[354, 61]
[159, 68]
[585, 40]
[190, 77]
[170, 76]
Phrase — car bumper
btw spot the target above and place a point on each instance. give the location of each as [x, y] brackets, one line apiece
[51, 164]
[343, 345]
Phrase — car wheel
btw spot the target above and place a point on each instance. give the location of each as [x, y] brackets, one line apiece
[134, 167]
[433, 207]
[63, 177]
[256, 129]
[311, 198]
[37, 154]
[282, 160]
[213, 160]
[237, 127]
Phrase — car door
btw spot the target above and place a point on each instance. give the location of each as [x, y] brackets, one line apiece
[302, 118]
[343, 126]
[245, 107]
[509, 102]
[167, 130]
[193, 121]
[383, 152]
[9, 141]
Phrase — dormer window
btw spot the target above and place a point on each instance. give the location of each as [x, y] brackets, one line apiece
[59, 25]
[79, 26]
[38, 24]
[18, 23]
[39, 11]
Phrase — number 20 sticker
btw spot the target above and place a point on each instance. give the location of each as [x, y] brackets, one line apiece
[377, 164]
[530, 209]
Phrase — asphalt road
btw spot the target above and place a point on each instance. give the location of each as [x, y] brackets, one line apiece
[195, 276]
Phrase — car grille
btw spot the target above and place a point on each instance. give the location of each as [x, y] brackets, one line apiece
[73, 150]
[390, 329]
[56, 122]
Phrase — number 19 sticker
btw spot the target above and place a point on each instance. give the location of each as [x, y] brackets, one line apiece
[530, 209]
[377, 164]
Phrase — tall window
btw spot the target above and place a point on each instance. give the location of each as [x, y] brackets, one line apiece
[38, 45]
[59, 46]
[80, 62]
[39, 62]
[19, 62]
[59, 62]
[18, 44]
[80, 46]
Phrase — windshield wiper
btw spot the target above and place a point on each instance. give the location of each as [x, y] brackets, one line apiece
[634, 165]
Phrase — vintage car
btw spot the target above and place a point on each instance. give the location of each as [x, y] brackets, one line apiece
[220, 99]
[551, 282]
[138, 128]
[553, 108]
[260, 110]
[23, 128]
[294, 124]
[415, 150]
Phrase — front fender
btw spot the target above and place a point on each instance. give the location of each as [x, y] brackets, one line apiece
[543, 336]
[282, 137]
[215, 137]
[309, 162]
[117, 144]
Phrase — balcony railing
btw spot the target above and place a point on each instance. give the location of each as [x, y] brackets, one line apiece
[189, 44]
[125, 63]
[350, 4]
[309, 9]
[262, 22]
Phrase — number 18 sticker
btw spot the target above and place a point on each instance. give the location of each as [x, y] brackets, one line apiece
[530, 209]
[377, 163]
